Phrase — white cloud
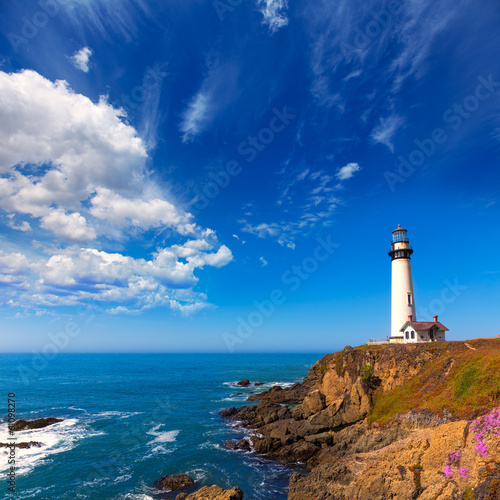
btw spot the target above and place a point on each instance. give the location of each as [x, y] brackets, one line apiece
[73, 168]
[69, 227]
[262, 230]
[274, 12]
[215, 93]
[120, 283]
[81, 59]
[134, 212]
[386, 129]
[195, 118]
[347, 171]
[263, 262]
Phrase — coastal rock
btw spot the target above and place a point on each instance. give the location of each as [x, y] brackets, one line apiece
[359, 420]
[40, 423]
[291, 395]
[243, 444]
[231, 445]
[301, 451]
[213, 493]
[174, 482]
[244, 383]
[228, 412]
[258, 383]
[324, 482]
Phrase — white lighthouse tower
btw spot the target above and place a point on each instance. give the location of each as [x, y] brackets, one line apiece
[402, 299]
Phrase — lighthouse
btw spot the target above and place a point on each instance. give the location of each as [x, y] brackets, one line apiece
[402, 298]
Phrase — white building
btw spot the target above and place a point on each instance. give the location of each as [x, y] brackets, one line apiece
[423, 331]
[404, 325]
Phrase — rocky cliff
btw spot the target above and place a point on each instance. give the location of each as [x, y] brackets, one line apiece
[380, 422]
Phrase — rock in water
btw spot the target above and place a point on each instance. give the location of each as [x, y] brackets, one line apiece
[22, 425]
[174, 482]
[243, 444]
[244, 382]
[213, 493]
[231, 445]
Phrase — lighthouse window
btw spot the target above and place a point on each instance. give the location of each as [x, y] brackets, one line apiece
[409, 299]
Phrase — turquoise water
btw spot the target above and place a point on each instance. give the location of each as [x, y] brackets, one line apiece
[132, 418]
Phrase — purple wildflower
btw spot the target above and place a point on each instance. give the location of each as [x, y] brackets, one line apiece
[454, 457]
[463, 472]
[481, 448]
[448, 473]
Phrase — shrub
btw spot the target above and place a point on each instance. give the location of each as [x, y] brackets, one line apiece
[367, 372]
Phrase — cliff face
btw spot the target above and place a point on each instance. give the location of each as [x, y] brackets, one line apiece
[379, 422]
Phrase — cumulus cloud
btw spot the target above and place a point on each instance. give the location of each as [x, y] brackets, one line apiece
[74, 169]
[274, 12]
[347, 171]
[119, 283]
[81, 59]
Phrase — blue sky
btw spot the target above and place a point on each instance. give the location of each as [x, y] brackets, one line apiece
[198, 175]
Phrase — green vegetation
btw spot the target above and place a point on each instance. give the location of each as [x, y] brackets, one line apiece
[468, 385]
[339, 364]
[367, 372]
[417, 478]
[468, 494]
[494, 490]
[322, 368]
[466, 380]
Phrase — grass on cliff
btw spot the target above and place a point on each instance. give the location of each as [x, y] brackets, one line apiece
[464, 380]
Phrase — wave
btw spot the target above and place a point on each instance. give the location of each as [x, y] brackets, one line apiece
[157, 445]
[56, 438]
[266, 385]
[119, 414]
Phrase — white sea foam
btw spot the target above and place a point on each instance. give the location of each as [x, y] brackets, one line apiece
[265, 385]
[158, 444]
[119, 414]
[56, 438]
[123, 478]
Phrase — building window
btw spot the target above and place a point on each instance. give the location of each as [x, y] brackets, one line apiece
[412, 335]
[409, 298]
[407, 335]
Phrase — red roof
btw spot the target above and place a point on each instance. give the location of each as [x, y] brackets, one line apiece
[424, 325]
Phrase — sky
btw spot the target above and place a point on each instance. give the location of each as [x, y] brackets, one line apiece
[224, 176]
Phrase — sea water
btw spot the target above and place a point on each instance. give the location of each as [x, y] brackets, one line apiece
[129, 419]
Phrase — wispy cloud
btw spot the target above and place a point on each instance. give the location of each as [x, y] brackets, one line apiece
[216, 92]
[274, 12]
[81, 59]
[387, 127]
[263, 262]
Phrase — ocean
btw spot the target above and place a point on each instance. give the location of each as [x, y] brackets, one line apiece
[129, 419]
